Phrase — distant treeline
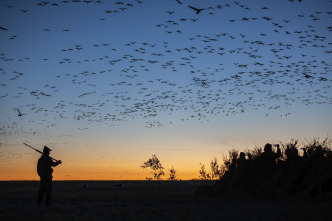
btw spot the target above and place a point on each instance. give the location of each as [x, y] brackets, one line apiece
[277, 171]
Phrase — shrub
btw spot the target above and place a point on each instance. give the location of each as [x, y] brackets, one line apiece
[172, 174]
[155, 165]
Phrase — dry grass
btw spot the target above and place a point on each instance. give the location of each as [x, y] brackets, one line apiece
[145, 200]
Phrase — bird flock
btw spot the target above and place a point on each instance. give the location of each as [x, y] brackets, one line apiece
[199, 61]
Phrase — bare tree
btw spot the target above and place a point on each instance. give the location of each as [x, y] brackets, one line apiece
[215, 171]
[155, 165]
[203, 174]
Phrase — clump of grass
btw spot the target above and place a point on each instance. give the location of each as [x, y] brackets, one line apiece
[289, 171]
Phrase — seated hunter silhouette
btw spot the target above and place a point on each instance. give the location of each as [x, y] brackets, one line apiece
[268, 157]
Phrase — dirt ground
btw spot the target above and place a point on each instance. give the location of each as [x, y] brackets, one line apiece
[145, 200]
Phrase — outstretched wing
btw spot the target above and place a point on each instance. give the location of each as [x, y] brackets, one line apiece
[193, 8]
[196, 9]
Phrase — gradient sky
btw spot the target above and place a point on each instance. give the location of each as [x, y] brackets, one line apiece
[107, 84]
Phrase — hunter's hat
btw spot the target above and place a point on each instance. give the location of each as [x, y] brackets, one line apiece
[46, 149]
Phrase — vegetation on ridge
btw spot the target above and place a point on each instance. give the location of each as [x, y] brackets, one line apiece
[276, 171]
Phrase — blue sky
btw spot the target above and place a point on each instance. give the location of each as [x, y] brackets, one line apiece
[133, 79]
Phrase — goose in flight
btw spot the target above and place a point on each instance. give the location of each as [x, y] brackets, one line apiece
[196, 9]
[19, 113]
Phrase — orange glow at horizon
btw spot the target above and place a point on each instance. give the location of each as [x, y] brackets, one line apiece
[94, 173]
[104, 163]
[96, 169]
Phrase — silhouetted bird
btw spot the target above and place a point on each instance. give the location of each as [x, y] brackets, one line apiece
[19, 113]
[196, 9]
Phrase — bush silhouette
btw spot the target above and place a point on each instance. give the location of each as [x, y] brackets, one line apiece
[172, 174]
[279, 172]
[155, 165]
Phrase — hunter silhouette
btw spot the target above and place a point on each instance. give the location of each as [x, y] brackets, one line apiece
[268, 157]
[242, 159]
[44, 169]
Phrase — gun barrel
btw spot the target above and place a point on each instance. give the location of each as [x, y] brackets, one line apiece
[38, 150]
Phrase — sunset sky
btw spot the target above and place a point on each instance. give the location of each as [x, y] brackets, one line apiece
[107, 84]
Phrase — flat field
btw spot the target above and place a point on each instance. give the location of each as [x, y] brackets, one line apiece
[146, 200]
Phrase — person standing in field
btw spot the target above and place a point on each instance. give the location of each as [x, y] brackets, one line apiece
[44, 170]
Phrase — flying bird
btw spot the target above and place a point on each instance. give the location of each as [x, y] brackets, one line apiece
[19, 113]
[196, 9]
[179, 2]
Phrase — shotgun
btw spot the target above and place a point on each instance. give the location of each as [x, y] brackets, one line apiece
[38, 151]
